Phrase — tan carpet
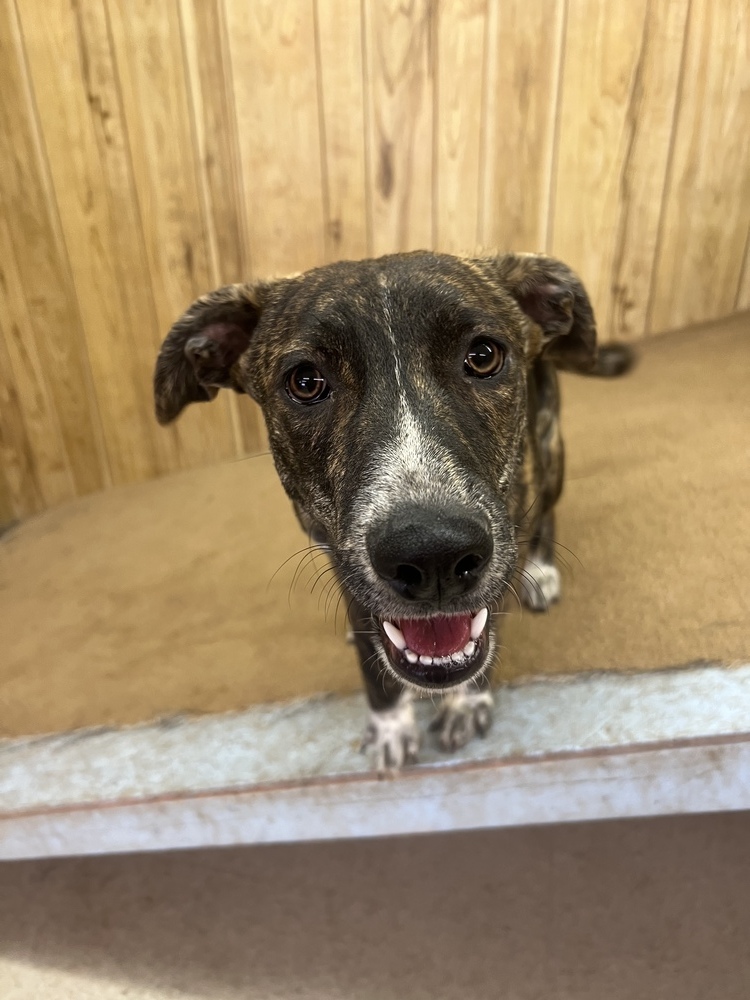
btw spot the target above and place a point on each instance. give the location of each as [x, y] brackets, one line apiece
[155, 599]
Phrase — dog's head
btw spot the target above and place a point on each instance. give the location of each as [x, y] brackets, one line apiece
[395, 395]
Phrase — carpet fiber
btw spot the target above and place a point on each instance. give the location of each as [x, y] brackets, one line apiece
[161, 598]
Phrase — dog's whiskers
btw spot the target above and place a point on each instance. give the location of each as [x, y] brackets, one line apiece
[559, 545]
[247, 458]
[529, 580]
[300, 552]
[306, 559]
[320, 573]
[556, 545]
[326, 590]
[338, 607]
[526, 513]
[333, 592]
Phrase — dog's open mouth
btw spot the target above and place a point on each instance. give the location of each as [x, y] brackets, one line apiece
[437, 652]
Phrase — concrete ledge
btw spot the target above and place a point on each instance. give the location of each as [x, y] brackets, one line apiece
[589, 747]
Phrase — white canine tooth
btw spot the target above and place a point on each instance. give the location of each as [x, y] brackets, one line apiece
[411, 656]
[427, 660]
[469, 648]
[478, 622]
[457, 657]
[395, 635]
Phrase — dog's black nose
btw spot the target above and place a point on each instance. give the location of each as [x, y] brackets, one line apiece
[430, 554]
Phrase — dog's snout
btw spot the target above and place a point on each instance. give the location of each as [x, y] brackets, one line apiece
[430, 554]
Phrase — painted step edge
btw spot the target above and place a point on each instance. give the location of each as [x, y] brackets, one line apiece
[593, 747]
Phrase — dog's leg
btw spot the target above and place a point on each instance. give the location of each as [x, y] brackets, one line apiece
[391, 736]
[466, 712]
[540, 578]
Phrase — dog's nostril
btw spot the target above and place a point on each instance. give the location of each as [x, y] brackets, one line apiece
[469, 565]
[409, 575]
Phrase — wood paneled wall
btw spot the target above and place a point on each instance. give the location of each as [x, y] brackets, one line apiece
[153, 149]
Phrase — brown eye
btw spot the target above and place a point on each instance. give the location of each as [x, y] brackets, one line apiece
[484, 359]
[305, 384]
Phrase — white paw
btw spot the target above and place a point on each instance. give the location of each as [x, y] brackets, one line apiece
[392, 736]
[540, 585]
[464, 715]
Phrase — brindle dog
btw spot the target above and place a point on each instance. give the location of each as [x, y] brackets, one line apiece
[412, 409]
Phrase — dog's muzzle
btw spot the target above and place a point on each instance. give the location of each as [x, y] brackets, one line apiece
[433, 558]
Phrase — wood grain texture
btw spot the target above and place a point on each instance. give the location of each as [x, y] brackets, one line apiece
[524, 49]
[619, 88]
[22, 492]
[339, 31]
[37, 300]
[43, 441]
[400, 53]
[215, 129]
[461, 36]
[211, 97]
[707, 207]
[151, 150]
[7, 508]
[272, 49]
[147, 42]
[74, 79]
[743, 291]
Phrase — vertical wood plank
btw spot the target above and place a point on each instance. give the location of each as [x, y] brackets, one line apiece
[461, 36]
[341, 80]
[649, 131]
[743, 291]
[212, 99]
[147, 42]
[272, 48]
[217, 146]
[618, 91]
[400, 53]
[43, 442]
[524, 49]
[22, 492]
[37, 298]
[7, 511]
[74, 80]
[707, 210]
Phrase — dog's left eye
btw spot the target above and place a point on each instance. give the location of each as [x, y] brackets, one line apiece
[484, 358]
[305, 384]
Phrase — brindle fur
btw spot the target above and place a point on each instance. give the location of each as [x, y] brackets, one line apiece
[503, 439]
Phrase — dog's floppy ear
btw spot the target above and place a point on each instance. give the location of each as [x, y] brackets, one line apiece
[200, 351]
[553, 296]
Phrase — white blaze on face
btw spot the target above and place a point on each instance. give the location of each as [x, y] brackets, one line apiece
[412, 464]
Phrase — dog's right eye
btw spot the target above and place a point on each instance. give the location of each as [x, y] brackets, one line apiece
[484, 358]
[305, 384]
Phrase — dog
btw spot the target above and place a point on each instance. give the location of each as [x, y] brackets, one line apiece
[412, 408]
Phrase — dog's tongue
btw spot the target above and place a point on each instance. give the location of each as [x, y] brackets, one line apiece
[436, 636]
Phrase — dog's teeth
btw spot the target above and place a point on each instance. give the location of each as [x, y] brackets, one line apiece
[427, 660]
[478, 622]
[457, 657]
[411, 656]
[469, 648]
[395, 635]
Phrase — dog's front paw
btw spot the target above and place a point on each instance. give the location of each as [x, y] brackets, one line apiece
[464, 715]
[540, 585]
[392, 737]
